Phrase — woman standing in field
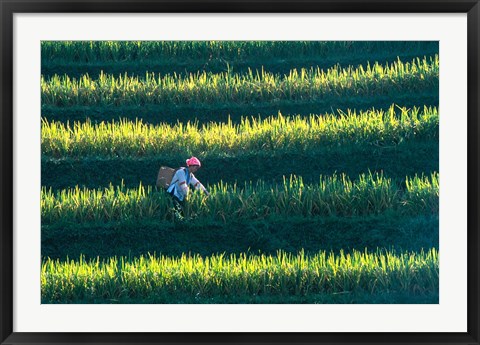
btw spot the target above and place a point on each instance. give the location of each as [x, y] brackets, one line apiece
[182, 179]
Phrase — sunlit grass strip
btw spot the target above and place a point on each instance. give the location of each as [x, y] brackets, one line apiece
[121, 51]
[279, 133]
[283, 274]
[262, 86]
[336, 195]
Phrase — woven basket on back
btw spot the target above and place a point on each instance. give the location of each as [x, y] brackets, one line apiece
[164, 177]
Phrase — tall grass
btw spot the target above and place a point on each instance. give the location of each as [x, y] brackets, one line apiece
[278, 134]
[336, 195]
[160, 279]
[260, 86]
[120, 51]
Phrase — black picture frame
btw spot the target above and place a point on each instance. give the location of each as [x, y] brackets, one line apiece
[10, 7]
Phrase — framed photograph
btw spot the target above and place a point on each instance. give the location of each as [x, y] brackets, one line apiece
[239, 172]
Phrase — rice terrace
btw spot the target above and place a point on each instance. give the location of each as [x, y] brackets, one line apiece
[313, 170]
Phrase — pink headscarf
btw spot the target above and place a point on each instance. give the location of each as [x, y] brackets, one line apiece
[193, 161]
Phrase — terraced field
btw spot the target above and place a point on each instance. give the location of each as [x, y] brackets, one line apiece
[321, 159]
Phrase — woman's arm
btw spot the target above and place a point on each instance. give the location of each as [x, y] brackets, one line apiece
[195, 183]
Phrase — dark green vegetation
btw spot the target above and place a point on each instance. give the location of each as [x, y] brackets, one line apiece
[395, 161]
[204, 113]
[132, 239]
[79, 58]
[365, 166]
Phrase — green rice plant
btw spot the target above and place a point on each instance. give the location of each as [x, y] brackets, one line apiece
[137, 51]
[423, 191]
[336, 195]
[279, 134]
[261, 86]
[161, 279]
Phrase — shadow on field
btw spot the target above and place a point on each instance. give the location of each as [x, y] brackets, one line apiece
[205, 113]
[288, 234]
[406, 159]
